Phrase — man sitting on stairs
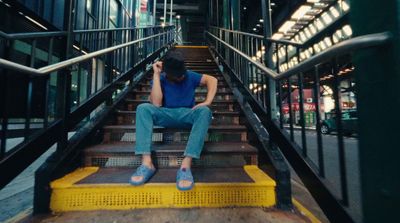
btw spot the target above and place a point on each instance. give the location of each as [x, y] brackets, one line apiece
[172, 105]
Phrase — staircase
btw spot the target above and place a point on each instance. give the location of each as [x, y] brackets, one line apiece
[226, 175]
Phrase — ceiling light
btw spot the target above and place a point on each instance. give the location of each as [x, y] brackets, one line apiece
[301, 11]
[286, 26]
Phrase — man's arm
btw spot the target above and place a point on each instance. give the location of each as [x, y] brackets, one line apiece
[211, 83]
[156, 95]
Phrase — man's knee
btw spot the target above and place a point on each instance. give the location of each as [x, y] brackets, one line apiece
[204, 111]
[145, 107]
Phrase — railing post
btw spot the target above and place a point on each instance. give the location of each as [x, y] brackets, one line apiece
[283, 189]
[43, 175]
[271, 99]
[377, 75]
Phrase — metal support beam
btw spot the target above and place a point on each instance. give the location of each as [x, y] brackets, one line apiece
[170, 12]
[165, 13]
[377, 76]
[271, 101]
[235, 14]
[154, 12]
[225, 12]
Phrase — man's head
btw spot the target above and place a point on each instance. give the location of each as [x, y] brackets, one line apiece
[174, 66]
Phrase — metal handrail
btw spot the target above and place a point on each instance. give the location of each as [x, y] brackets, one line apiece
[344, 47]
[260, 37]
[16, 36]
[117, 29]
[57, 66]
[268, 71]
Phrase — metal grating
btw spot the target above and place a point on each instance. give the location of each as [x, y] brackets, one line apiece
[122, 160]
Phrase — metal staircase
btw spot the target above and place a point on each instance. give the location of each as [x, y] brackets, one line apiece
[226, 175]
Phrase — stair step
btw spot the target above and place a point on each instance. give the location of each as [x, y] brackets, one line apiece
[171, 155]
[217, 105]
[212, 128]
[198, 92]
[219, 117]
[219, 77]
[94, 188]
[202, 66]
[199, 96]
[216, 133]
[220, 84]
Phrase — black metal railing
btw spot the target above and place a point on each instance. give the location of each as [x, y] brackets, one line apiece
[102, 65]
[322, 166]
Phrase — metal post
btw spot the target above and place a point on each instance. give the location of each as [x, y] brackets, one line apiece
[266, 13]
[154, 12]
[377, 76]
[170, 12]
[43, 175]
[225, 8]
[235, 14]
[165, 12]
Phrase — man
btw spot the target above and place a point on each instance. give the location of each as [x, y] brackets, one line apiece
[172, 105]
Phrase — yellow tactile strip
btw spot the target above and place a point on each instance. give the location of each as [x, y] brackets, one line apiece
[67, 196]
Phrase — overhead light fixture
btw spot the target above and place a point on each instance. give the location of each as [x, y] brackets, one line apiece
[178, 16]
[36, 22]
[261, 20]
[286, 26]
[277, 36]
[301, 11]
[347, 30]
[254, 29]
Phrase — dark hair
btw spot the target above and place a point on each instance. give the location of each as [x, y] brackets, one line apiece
[174, 64]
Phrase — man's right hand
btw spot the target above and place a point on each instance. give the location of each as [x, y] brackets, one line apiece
[157, 67]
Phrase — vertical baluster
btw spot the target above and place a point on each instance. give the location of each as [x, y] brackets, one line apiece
[342, 164]
[49, 61]
[290, 108]
[29, 93]
[300, 81]
[280, 104]
[316, 99]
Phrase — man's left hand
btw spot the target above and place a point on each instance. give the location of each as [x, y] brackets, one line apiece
[201, 104]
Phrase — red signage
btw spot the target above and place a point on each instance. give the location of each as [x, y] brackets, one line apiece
[296, 107]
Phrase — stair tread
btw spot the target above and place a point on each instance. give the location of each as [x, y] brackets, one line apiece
[230, 147]
[196, 93]
[168, 175]
[212, 127]
[197, 101]
[214, 112]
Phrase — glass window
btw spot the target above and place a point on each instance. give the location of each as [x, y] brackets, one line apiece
[91, 6]
[114, 13]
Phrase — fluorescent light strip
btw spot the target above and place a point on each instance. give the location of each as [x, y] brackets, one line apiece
[37, 23]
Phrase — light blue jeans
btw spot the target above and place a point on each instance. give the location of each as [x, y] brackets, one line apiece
[148, 115]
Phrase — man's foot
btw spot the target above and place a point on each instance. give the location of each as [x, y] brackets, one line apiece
[142, 174]
[184, 179]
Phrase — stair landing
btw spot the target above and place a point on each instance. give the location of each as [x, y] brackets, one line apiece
[92, 188]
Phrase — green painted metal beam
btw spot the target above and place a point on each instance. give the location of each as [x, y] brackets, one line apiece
[226, 15]
[378, 78]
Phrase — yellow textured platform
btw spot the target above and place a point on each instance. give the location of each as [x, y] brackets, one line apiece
[68, 196]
